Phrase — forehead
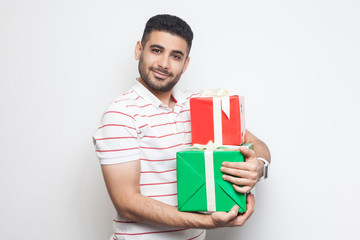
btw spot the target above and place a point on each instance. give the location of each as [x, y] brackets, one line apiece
[167, 40]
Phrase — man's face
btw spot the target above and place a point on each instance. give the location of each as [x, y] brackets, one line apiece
[161, 61]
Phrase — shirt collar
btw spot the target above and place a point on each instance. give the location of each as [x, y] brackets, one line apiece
[143, 92]
[178, 96]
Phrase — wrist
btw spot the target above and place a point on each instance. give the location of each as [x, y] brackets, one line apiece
[208, 221]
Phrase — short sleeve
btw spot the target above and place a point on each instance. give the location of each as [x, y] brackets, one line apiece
[116, 139]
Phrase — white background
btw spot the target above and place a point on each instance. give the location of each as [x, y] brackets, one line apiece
[296, 62]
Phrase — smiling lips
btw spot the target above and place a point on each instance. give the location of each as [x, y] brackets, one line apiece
[161, 73]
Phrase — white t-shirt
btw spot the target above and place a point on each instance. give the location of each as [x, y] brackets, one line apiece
[138, 126]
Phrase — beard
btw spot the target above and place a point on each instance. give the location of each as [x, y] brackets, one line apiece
[157, 83]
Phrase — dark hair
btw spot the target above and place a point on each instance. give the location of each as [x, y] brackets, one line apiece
[170, 24]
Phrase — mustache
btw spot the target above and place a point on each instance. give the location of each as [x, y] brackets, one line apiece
[162, 71]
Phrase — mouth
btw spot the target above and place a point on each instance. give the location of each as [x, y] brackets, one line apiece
[160, 73]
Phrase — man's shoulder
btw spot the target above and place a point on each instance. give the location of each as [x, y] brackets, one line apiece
[191, 93]
[128, 96]
[121, 103]
[187, 94]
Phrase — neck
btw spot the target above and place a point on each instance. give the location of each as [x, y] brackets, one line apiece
[164, 97]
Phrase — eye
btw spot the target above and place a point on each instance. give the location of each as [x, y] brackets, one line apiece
[155, 50]
[177, 57]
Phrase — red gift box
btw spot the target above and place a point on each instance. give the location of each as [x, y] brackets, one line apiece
[209, 121]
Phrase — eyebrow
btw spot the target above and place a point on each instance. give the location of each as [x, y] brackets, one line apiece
[162, 48]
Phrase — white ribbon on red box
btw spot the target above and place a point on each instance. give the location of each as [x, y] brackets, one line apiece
[221, 103]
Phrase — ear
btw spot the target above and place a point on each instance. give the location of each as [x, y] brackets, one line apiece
[138, 50]
[186, 64]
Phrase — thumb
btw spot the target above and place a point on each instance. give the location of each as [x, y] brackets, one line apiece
[221, 218]
[248, 153]
[232, 213]
[234, 210]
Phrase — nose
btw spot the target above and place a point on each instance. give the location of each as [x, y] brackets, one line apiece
[164, 61]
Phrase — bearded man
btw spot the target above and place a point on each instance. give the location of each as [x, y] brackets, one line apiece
[142, 130]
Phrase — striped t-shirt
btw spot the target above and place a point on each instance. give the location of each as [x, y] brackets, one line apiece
[138, 126]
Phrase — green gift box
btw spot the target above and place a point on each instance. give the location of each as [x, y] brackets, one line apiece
[193, 183]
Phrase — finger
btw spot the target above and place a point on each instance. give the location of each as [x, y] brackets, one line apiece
[240, 189]
[240, 165]
[241, 173]
[237, 165]
[250, 203]
[233, 211]
[223, 217]
[248, 153]
[240, 220]
[240, 181]
[232, 214]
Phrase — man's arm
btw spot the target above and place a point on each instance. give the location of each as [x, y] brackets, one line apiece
[122, 181]
[260, 148]
[247, 174]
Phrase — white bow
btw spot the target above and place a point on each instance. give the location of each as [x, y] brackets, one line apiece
[209, 146]
[213, 146]
[220, 93]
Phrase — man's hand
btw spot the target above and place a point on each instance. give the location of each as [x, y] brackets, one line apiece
[231, 218]
[243, 175]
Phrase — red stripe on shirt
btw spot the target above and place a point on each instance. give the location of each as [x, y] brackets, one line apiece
[157, 114]
[167, 135]
[192, 95]
[111, 138]
[177, 145]
[147, 184]
[183, 121]
[139, 106]
[197, 235]
[116, 125]
[164, 124]
[180, 106]
[165, 195]
[128, 92]
[116, 150]
[170, 123]
[143, 233]
[127, 99]
[186, 110]
[171, 170]
[120, 113]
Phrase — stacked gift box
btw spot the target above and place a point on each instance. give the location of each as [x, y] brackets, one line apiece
[218, 129]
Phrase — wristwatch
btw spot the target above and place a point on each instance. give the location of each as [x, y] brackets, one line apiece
[266, 169]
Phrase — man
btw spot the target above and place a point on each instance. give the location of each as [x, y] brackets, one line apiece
[141, 132]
